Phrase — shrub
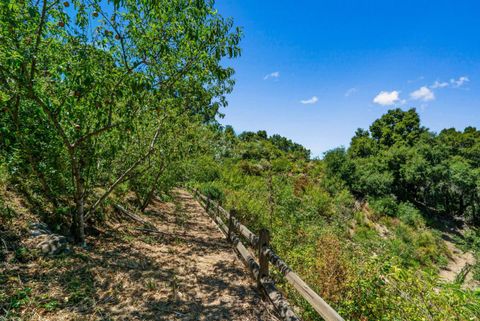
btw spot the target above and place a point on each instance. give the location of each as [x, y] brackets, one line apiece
[281, 165]
[410, 215]
[204, 169]
[317, 202]
[386, 205]
[427, 248]
[4, 177]
[343, 202]
[249, 168]
[212, 192]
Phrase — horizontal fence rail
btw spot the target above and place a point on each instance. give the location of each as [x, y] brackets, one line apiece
[266, 254]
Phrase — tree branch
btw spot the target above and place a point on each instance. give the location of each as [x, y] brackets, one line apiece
[37, 41]
[122, 177]
[53, 119]
[94, 133]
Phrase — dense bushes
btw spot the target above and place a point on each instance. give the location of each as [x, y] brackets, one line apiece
[387, 292]
[438, 174]
[372, 259]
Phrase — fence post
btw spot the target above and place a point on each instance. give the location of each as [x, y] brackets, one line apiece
[230, 224]
[263, 241]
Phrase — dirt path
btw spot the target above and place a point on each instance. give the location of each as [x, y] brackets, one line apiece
[456, 264]
[205, 279]
[200, 276]
[185, 271]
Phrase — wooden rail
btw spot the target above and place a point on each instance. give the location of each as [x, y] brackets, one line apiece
[266, 255]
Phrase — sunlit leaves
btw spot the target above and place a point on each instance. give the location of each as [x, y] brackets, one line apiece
[88, 83]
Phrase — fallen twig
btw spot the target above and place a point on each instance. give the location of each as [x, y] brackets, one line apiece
[132, 216]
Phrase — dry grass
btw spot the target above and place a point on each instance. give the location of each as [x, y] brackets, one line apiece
[331, 268]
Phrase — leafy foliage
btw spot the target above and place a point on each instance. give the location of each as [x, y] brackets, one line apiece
[397, 157]
[348, 224]
[93, 95]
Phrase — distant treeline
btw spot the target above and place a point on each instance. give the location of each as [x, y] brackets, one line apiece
[400, 160]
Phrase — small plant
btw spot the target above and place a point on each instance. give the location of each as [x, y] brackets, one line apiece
[23, 255]
[151, 284]
[20, 298]
[460, 278]
[476, 270]
[6, 214]
[51, 305]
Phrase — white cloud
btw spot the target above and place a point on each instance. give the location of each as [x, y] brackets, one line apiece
[423, 94]
[350, 92]
[386, 98]
[455, 83]
[275, 75]
[459, 82]
[438, 84]
[312, 100]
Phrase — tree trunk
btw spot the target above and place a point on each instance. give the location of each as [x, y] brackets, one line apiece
[78, 222]
[79, 231]
[149, 196]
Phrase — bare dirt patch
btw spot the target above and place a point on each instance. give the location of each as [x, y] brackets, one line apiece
[459, 260]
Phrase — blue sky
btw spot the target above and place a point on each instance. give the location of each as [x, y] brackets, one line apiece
[315, 71]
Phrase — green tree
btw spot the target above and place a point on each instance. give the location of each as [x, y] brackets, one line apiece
[397, 126]
[86, 78]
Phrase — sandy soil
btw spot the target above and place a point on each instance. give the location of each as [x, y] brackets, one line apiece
[457, 262]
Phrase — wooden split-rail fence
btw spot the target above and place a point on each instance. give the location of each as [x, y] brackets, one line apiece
[232, 228]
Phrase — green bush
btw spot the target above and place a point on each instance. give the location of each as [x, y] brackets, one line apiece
[386, 205]
[249, 168]
[471, 242]
[204, 169]
[410, 215]
[281, 165]
[317, 202]
[212, 192]
[24, 255]
[4, 177]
